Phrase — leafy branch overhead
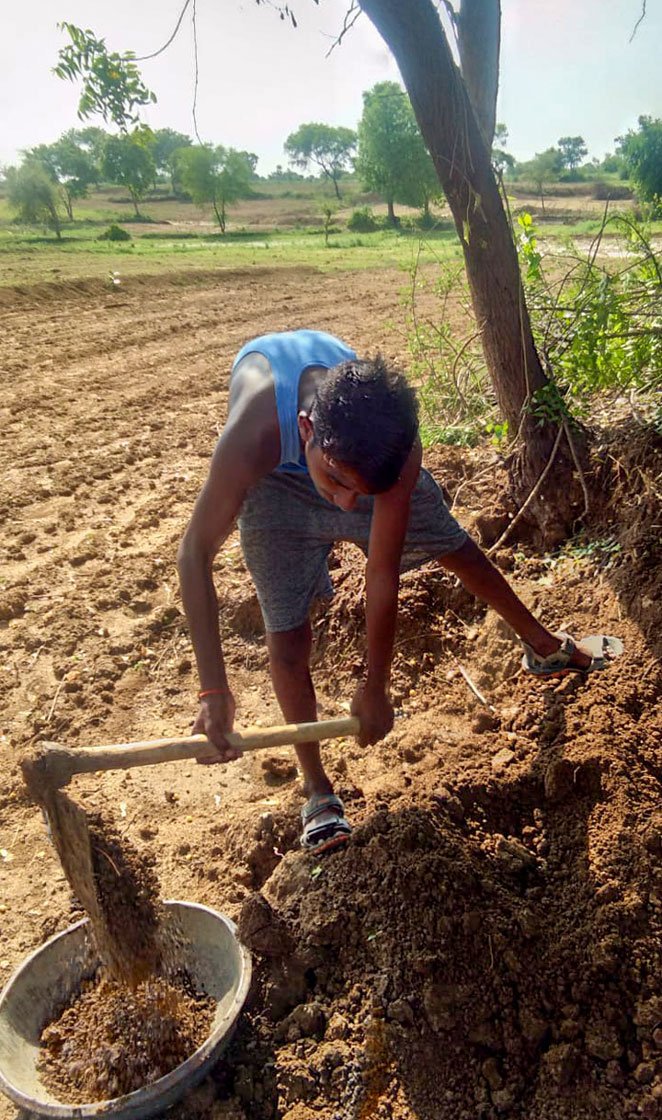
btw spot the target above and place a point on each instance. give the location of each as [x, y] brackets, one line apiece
[112, 83]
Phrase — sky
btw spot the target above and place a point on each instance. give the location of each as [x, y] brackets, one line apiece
[567, 68]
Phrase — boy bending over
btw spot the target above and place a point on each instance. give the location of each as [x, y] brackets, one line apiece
[321, 446]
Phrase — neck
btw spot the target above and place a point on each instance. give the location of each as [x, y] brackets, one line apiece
[308, 383]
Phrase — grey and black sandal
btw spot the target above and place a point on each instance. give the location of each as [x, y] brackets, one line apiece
[600, 648]
[324, 824]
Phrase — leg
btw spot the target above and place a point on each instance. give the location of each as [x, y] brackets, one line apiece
[324, 824]
[286, 538]
[483, 580]
[289, 663]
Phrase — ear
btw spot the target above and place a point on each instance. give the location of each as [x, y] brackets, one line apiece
[306, 428]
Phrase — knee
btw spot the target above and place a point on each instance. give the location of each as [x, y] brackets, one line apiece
[289, 650]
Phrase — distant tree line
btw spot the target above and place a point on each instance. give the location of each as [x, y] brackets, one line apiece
[52, 177]
[637, 158]
[386, 151]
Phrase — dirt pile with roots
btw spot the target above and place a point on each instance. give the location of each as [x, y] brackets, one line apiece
[490, 942]
[489, 947]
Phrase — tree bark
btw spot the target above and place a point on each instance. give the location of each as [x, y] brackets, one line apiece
[220, 214]
[479, 43]
[68, 204]
[55, 222]
[461, 157]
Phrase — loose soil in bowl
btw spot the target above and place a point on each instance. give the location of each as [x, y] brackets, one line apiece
[113, 1039]
[140, 1017]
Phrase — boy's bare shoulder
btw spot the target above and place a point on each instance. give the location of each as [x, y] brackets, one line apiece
[251, 430]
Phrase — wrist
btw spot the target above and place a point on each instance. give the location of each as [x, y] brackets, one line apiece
[214, 691]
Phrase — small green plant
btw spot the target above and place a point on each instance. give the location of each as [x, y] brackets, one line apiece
[453, 435]
[497, 430]
[527, 246]
[602, 551]
[114, 233]
[329, 211]
[548, 404]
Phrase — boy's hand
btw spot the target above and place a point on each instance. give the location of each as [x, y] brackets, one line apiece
[215, 718]
[375, 712]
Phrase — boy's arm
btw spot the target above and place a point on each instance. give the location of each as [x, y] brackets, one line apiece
[248, 449]
[387, 535]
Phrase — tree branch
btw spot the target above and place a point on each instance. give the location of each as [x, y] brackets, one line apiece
[639, 21]
[146, 57]
[196, 75]
[351, 16]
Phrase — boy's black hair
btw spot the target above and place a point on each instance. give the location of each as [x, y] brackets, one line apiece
[365, 415]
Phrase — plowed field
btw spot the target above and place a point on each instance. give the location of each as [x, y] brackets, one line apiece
[489, 944]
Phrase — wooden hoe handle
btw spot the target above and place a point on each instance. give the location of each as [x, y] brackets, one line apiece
[56, 765]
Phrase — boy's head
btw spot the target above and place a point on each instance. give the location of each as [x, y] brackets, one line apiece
[364, 421]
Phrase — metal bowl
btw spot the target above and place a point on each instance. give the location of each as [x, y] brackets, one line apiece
[217, 963]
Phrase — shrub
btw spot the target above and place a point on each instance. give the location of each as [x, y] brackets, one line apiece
[610, 191]
[363, 220]
[600, 328]
[425, 220]
[115, 233]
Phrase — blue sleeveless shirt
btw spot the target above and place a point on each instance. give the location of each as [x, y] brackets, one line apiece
[289, 353]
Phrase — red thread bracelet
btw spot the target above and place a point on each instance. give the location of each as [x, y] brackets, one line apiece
[211, 692]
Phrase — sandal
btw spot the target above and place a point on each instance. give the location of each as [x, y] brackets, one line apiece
[601, 649]
[324, 824]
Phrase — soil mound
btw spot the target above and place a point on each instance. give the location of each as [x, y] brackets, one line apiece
[434, 615]
[630, 519]
[491, 948]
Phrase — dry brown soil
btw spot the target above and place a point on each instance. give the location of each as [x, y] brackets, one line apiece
[489, 943]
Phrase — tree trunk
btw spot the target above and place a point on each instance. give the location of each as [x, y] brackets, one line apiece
[55, 222]
[461, 157]
[67, 204]
[335, 187]
[220, 214]
[479, 42]
[390, 213]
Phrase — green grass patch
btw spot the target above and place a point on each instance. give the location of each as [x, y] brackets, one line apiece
[32, 255]
[453, 435]
[585, 227]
